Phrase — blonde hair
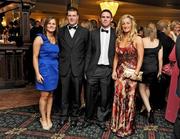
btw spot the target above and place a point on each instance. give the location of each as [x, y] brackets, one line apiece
[173, 24]
[120, 32]
[162, 24]
[151, 31]
[86, 24]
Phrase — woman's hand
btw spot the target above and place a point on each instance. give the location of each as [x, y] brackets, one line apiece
[134, 76]
[39, 78]
[114, 75]
[159, 73]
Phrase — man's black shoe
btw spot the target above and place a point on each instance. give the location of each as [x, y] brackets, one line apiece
[82, 111]
[102, 126]
[62, 122]
[73, 123]
[84, 124]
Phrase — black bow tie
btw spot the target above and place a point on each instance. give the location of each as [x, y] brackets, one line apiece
[72, 27]
[103, 30]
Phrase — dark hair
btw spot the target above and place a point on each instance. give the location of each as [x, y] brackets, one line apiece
[115, 24]
[106, 10]
[94, 24]
[48, 19]
[11, 23]
[140, 28]
[72, 9]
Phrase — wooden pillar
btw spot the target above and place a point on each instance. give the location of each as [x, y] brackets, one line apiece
[25, 23]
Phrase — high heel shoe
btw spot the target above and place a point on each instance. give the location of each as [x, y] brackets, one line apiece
[142, 108]
[44, 125]
[151, 117]
[143, 112]
[50, 125]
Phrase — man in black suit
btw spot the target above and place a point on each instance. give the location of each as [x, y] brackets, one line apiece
[161, 88]
[73, 40]
[99, 61]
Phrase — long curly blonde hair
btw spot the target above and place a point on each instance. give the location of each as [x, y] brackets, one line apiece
[119, 31]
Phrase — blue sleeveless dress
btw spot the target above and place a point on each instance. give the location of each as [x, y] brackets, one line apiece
[48, 65]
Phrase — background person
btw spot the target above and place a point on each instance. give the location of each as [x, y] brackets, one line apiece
[151, 67]
[160, 90]
[177, 122]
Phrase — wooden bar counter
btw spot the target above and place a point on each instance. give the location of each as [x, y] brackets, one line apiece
[12, 60]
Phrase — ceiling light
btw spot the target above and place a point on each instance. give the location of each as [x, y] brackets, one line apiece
[111, 5]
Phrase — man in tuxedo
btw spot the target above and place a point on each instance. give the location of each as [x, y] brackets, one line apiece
[99, 61]
[73, 41]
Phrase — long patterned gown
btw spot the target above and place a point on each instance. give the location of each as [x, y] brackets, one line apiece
[123, 111]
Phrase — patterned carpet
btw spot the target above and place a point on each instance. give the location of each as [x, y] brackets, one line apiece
[23, 123]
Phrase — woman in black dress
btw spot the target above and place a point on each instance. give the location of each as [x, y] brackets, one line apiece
[151, 67]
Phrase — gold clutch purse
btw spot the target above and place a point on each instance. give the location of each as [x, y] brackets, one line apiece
[130, 73]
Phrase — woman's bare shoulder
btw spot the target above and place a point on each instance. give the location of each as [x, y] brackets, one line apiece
[138, 40]
[38, 39]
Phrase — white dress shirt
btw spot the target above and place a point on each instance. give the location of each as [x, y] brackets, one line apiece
[72, 30]
[104, 42]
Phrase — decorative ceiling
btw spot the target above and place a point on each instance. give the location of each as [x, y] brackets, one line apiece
[141, 9]
[175, 4]
[146, 10]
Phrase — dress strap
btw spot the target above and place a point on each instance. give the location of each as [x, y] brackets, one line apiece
[159, 45]
[44, 38]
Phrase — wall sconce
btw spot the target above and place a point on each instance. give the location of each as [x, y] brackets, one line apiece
[111, 5]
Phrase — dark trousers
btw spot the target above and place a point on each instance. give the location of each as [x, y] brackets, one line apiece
[98, 85]
[177, 126]
[159, 90]
[70, 98]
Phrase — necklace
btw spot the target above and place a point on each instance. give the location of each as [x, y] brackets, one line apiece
[52, 40]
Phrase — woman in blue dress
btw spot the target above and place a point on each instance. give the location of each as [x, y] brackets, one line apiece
[45, 62]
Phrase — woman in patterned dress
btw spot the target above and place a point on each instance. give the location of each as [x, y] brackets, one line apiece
[129, 53]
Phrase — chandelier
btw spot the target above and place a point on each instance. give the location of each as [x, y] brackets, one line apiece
[111, 5]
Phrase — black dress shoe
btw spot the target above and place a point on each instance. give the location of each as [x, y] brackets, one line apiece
[62, 122]
[143, 113]
[73, 123]
[86, 123]
[151, 117]
[82, 111]
[83, 125]
[102, 126]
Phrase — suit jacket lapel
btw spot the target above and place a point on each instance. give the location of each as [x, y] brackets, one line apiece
[111, 39]
[98, 40]
[76, 36]
[68, 37]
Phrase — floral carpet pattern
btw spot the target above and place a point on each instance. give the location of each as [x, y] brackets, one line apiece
[23, 123]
